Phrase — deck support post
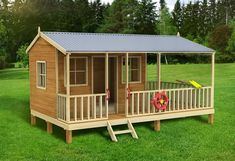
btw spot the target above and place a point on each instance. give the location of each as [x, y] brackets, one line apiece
[159, 71]
[33, 120]
[68, 87]
[49, 128]
[212, 78]
[107, 81]
[211, 118]
[127, 83]
[68, 136]
[157, 125]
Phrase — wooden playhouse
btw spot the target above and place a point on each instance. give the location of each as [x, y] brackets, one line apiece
[82, 80]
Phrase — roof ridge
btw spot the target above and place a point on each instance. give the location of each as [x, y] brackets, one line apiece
[108, 34]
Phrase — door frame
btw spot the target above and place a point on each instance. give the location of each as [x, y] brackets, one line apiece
[92, 75]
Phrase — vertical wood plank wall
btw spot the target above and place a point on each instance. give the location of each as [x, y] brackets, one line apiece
[43, 101]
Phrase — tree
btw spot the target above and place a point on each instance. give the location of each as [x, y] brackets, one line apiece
[177, 15]
[231, 42]
[3, 38]
[166, 25]
[22, 56]
[162, 4]
[219, 37]
[97, 12]
[145, 20]
[120, 17]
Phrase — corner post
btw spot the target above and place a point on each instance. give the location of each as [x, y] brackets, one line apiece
[107, 81]
[211, 116]
[127, 83]
[68, 87]
[159, 71]
[68, 136]
[33, 120]
[212, 78]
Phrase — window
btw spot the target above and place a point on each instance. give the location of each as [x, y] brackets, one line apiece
[41, 74]
[134, 66]
[78, 71]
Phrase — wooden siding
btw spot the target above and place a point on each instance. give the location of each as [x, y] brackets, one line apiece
[43, 100]
[74, 90]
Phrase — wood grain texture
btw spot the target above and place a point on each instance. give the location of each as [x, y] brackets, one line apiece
[49, 128]
[68, 136]
[43, 100]
[157, 125]
[211, 118]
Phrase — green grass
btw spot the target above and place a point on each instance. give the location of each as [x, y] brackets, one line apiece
[190, 139]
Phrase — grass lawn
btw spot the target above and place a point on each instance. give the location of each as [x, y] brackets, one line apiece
[190, 139]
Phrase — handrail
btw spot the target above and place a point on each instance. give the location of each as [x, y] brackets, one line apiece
[181, 99]
[82, 107]
[154, 90]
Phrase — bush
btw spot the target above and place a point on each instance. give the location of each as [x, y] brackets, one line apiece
[2, 58]
[2, 62]
[22, 56]
[10, 65]
[224, 58]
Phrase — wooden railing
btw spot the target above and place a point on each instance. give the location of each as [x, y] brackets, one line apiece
[153, 85]
[82, 107]
[181, 99]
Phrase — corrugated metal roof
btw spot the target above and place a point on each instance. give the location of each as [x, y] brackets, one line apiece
[102, 42]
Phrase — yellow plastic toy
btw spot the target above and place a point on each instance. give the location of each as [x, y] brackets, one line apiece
[195, 84]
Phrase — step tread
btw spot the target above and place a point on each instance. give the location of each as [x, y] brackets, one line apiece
[122, 132]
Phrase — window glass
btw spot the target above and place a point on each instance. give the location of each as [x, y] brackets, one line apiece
[78, 71]
[41, 74]
[134, 69]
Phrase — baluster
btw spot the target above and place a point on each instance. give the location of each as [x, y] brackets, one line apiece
[138, 103]
[58, 106]
[101, 106]
[65, 100]
[132, 103]
[191, 98]
[82, 104]
[182, 99]
[207, 98]
[75, 108]
[169, 104]
[178, 98]
[88, 107]
[143, 103]
[173, 103]
[203, 97]
[94, 111]
[148, 101]
[186, 101]
[199, 98]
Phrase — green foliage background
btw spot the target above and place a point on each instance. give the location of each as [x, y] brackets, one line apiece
[208, 22]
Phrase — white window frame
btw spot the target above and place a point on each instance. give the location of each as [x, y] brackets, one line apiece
[37, 74]
[86, 72]
[129, 81]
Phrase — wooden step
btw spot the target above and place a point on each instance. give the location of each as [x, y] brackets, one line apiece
[114, 133]
[122, 132]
